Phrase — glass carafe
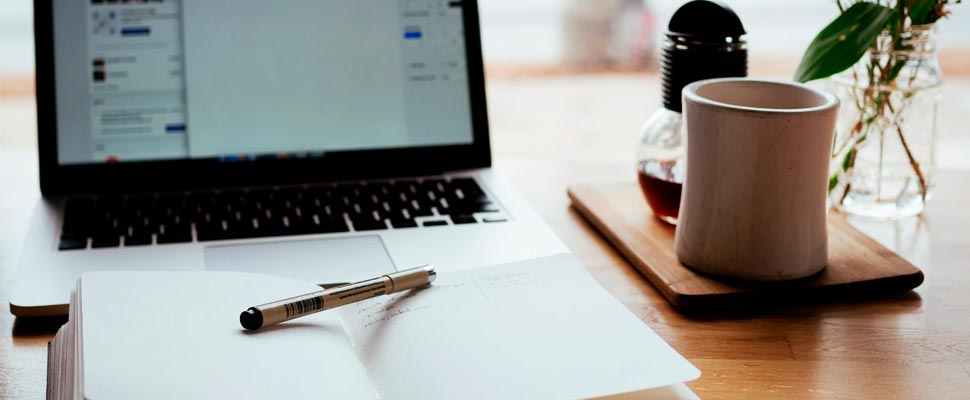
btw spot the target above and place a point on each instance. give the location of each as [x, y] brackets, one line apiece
[660, 163]
[704, 40]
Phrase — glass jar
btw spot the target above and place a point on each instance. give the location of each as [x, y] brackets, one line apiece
[884, 160]
[660, 158]
[704, 40]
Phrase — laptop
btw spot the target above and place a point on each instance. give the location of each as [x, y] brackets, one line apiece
[326, 141]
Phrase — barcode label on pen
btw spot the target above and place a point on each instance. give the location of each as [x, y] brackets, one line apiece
[304, 306]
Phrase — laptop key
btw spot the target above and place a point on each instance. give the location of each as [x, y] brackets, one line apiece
[108, 227]
[370, 226]
[140, 240]
[419, 209]
[460, 219]
[181, 236]
[367, 222]
[269, 224]
[435, 223]
[211, 229]
[329, 225]
[469, 208]
[105, 241]
[76, 228]
[400, 223]
[78, 216]
[72, 243]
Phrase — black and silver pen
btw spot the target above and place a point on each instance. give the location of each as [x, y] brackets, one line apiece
[284, 310]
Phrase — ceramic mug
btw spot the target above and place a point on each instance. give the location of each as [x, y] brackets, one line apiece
[754, 199]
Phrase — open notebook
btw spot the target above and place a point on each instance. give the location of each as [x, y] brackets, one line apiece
[536, 329]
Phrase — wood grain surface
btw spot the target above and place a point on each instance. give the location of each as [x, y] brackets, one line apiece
[858, 266]
[555, 132]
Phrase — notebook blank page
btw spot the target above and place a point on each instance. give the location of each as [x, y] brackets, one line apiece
[177, 336]
[536, 329]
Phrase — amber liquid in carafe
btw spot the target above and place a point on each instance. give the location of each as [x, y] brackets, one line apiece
[661, 182]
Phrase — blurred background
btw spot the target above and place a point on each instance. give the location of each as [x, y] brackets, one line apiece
[578, 34]
[588, 67]
[625, 33]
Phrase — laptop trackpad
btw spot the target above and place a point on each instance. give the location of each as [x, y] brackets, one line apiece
[317, 260]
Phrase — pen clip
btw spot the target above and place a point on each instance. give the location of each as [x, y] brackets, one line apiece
[333, 285]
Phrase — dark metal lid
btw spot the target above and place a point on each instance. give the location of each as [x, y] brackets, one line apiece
[704, 40]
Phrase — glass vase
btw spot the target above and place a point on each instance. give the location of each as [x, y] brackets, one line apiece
[884, 156]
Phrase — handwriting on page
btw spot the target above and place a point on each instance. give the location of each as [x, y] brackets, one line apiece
[495, 284]
[511, 279]
[382, 309]
[473, 289]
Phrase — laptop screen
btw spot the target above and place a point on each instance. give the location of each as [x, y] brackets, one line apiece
[237, 80]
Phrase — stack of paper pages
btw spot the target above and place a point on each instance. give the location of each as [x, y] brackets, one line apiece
[539, 329]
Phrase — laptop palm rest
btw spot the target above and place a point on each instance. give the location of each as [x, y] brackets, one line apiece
[318, 261]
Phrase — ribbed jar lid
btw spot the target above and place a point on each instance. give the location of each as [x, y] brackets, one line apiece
[704, 40]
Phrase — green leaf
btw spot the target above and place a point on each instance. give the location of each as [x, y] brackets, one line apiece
[847, 161]
[920, 11]
[843, 42]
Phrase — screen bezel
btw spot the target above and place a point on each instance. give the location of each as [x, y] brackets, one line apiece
[188, 174]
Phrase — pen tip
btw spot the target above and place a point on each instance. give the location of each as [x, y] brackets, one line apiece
[251, 319]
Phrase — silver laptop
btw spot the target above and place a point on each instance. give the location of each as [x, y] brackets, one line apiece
[327, 141]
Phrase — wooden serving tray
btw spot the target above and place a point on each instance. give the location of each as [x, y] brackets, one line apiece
[858, 265]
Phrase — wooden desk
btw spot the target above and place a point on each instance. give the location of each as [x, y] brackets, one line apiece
[554, 132]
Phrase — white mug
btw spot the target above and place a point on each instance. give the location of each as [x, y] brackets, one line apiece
[754, 201]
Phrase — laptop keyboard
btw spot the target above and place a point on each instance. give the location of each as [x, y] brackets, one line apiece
[164, 218]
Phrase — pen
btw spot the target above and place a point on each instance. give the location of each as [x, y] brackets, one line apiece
[284, 310]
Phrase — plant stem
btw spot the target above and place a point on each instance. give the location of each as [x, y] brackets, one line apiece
[882, 147]
[912, 160]
[916, 167]
[876, 99]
